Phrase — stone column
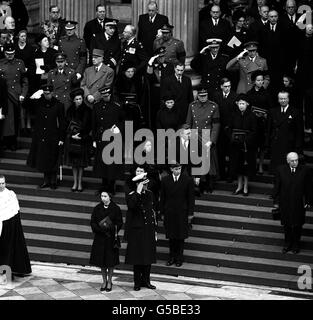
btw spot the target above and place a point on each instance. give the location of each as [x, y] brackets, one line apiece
[183, 14]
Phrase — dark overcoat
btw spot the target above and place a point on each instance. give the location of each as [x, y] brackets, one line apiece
[293, 191]
[104, 116]
[103, 253]
[49, 129]
[176, 204]
[284, 134]
[140, 229]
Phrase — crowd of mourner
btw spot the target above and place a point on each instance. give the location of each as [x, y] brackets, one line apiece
[249, 115]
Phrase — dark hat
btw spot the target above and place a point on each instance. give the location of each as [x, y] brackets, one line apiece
[174, 164]
[169, 97]
[255, 74]
[251, 45]
[46, 87]
[242, 96]
[202, 91]
[70, 25]
[77, 92]
[9, 48]
[111, 22]
[40, 37]
[238, 14]
[127, 65]
[60, 57]
[98, 52]
[214, 42]
[105, 90]
[167, 28]
[160, 51]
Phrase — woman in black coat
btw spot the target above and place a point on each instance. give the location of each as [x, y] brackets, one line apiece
[168, 116]
[242, 129]
[261, 102]
[78, 140]
[140, 230]
[106, 222]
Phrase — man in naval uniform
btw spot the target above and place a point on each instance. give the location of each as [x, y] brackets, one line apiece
[247, 62]
[74, 48]
[203, 114]
[175, 49]
[211, 64]
[63, 80]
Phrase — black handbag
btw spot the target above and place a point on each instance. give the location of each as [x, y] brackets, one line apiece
[239, 135]
[117, 240]
[74, 146]
[259, 112]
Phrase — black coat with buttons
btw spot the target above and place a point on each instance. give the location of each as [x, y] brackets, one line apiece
[49, 129]
[140, 229]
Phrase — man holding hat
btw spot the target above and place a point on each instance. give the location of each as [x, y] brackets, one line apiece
[48, 136]
[63, 80]
[203, 114]
[109, 43]
[106, 115]
[175, 49]
[14, 72]
[96, 77]
[74, 48]
[211, 64]
[247, 62]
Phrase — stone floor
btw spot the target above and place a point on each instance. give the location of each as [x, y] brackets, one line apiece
[61, 282]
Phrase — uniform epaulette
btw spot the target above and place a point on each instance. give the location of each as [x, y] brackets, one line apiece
[214, 103]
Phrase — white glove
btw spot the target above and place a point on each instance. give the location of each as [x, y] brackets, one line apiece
[22, 98]
[61, 143]
[115, 129]
[78, 75]
[37, 95]
[94, 144]
[150, 63]
[204, 49]
[240, 55]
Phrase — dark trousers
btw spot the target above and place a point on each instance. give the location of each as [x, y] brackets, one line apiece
[177, 249]
[50, 177]
[142, 275]
[292, 236]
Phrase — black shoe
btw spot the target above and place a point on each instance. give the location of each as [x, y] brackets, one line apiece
[246, 194]
[136, 288]
[109, 289]
[53, 186]
[286, 249]
[74, 189]
[170, 262]
[179, 264]
[236, 192]
[296, 249]
[44, 185]
[149, 286]
[103, 288]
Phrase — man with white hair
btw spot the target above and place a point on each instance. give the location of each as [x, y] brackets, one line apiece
[293, 195]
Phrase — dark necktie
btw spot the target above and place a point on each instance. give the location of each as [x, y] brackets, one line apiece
[293, 171]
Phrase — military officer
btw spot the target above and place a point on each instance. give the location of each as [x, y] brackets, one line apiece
[203, 114]
[63, 80]
[14, 72]
[106, 115]
[211, 64]
[109, 42]
[247, 62]
[133, 51]
[74, 48]
[48, 135]
[175, 49]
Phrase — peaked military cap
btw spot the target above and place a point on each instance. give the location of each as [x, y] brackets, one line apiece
[167, 28]
[214, 42]
[105, 90]
[251, 45]
[9, 48]
[160, 51]
[98, 52]
[60, 57]
[111, 22]
[70, 25]
[202, 91]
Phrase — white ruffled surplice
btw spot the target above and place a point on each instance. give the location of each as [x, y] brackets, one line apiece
[9, 206]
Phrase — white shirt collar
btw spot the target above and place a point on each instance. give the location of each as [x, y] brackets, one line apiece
[215, 21]
[152, 18]
[130, 41]
[176, 178]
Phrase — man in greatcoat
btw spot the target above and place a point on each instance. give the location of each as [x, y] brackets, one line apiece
[176, 206]
[106, 115]
[14, 72]
[63, 80]
[284, 131]
[75, 49]
[247, 62]
[204, 117]
[293, 194]
[47, 137]
[210, 63]
[96, 77]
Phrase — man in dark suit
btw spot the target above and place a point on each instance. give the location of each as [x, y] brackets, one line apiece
[225, 99]
[95, 26]
[180, 86]
[259, 25]
[149, 25]
[176, 206]
[215, 27]
[284, 132]
[110, 44]
[293, 194]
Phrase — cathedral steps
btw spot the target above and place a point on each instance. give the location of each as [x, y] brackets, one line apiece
[233, 238]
